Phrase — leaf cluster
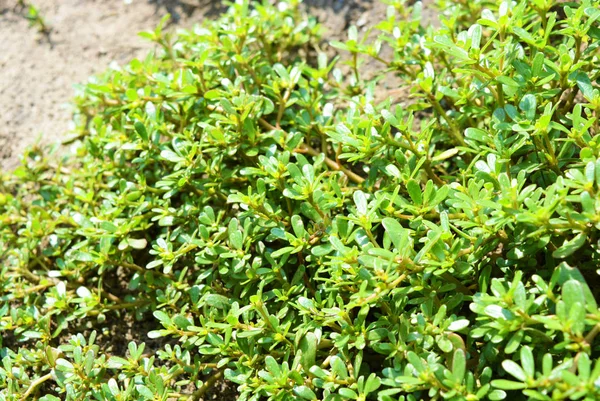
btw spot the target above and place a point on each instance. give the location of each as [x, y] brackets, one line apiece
[287, 233]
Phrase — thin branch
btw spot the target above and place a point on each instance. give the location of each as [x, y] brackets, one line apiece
[304, 148]
[206, 386]
[589, 338]
[35, 384]
[124, 305]
[140, 269]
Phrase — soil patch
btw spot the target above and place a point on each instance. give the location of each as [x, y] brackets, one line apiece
[37, 72]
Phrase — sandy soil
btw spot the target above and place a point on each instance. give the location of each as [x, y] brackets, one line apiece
[37, 73]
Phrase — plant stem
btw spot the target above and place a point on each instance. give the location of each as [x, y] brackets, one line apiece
[283, 102]
[124, 305]
[206, 386]
[304, 148]
[35, 384]
[140, 269]
[332, 164]
[454, 130]
[592, 334]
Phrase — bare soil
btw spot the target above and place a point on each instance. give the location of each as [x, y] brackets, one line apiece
[37, 72]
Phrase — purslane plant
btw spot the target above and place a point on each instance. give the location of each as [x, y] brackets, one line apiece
[288, 234]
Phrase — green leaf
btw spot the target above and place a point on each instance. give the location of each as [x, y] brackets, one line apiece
[570, 246]
[318, 372]
[538, 64]
[108, 226]
[249, 333]
[449, 46]
[476, 134]
[498, 312]
[564, 273]
[115, 362]
[528, 104]
[527, 362]
[475, 35]
[508, 384]
[144, 391]
[164, 319]
[141, 130]
[389, 117]
[308, 346]
[398, 234]
[49, 397]
[372, 384]
[353, 33]
[444, 344]
[348, 393]
[496, 395]
[459, 364]
[282, 72]
[305, 392]
[171, 156]
[298, 226]
[131, 94]
[447, 154]
[360, 200]
[216, 300]
[158, 333]
[338, 45]
[339, 367]
[458, 325]
[414, 359]
[585, 85]
[213, 94]
[181, 322]
[414, 190]
[514, 342]
[525, 36]
[137, 243]
[507, 81]
[514, 369]
[283, 251]
[273, 366]
[572, 292]
[64, 365]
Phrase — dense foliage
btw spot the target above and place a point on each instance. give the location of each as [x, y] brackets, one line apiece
[288, 234]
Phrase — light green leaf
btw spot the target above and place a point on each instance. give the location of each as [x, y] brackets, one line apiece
[508, 384]
[514, 369]
[305, 392]
[570, 246]
[141, 131]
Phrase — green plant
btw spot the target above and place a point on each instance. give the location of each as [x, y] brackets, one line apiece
[292, 236]
[37, 20]
[34, 16]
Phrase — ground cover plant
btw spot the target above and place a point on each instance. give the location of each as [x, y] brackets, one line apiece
[34, 16]
[282, 231]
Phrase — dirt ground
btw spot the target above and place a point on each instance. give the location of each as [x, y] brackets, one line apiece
[37, 73]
